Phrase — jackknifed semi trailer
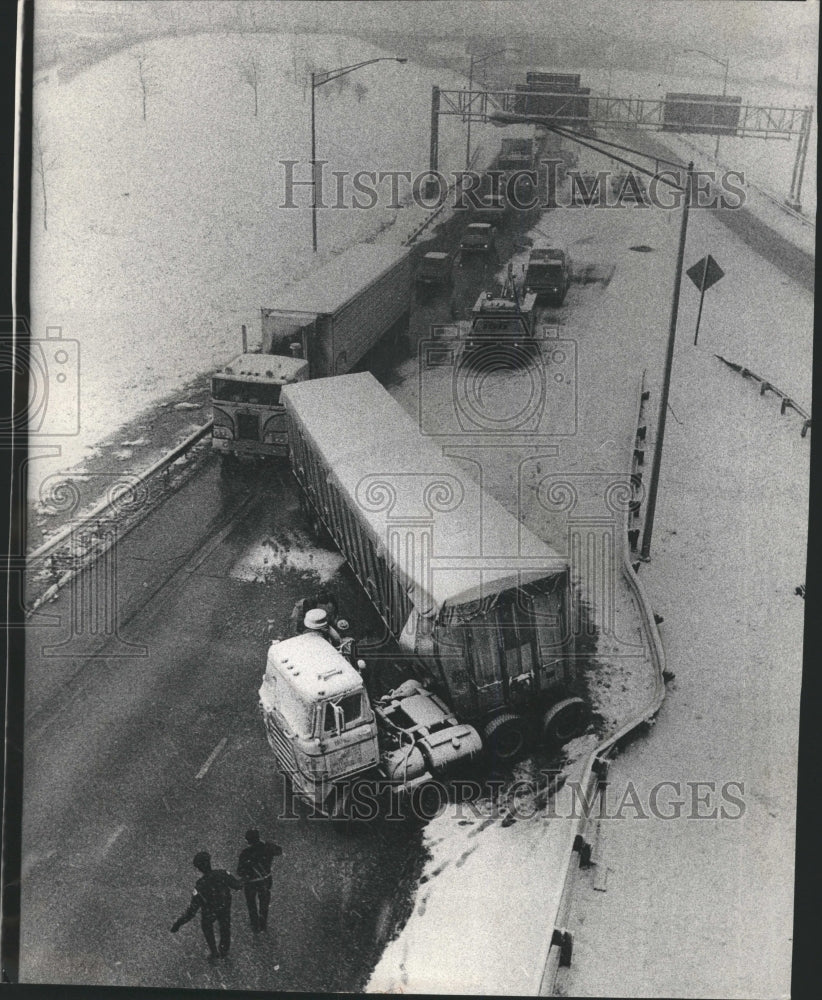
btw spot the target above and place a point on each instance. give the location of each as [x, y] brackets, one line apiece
[480, 607]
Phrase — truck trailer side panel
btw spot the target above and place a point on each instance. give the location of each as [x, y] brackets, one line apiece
[362, 322]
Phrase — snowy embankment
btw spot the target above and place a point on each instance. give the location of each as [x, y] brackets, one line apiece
[704, 907]
[165, 235]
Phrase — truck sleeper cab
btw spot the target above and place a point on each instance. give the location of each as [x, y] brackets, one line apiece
[317, 716]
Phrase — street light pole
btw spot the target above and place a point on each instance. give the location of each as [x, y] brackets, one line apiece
[313, 168]
[653, 487]
[721, 62]
[468, 139]
[476, 62]
[326, 77]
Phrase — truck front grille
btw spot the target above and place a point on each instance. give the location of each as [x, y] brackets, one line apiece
[281, 747]
[248, 427]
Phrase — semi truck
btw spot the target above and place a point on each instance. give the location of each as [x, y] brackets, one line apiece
[328, 735]
[435, 268]
[322, 324]
[478, 237]
[479, 607]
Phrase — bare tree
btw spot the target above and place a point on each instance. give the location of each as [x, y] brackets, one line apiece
[141, 73]
[250, 69]
[360, 90]
[43, 163]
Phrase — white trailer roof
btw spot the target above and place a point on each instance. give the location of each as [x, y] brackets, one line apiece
[328, 288]
[366, 438]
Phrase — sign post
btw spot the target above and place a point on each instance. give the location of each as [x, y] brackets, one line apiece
[703, 274]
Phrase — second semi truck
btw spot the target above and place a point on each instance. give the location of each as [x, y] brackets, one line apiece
[323, 324]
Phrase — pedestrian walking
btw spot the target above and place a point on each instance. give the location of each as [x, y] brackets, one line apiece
[212, 898]
[254, 868]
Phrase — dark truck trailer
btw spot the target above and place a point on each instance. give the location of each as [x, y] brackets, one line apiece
[490, 634]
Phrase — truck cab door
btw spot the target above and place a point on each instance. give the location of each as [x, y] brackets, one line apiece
[348, 735]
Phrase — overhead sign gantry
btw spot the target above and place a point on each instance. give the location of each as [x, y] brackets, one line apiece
[560, 99]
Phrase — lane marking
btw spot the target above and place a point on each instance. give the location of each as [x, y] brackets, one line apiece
[211, 758]
[110, 842]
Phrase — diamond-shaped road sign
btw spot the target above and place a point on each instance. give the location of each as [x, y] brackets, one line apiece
[705, 272]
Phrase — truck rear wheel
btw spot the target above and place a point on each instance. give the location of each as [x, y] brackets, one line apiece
[505, 737]
[565, 720]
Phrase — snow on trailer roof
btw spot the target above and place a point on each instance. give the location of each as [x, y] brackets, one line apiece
[377, 453]
[263, 367]
[328, 288]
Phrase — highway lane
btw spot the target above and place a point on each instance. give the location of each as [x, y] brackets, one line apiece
[132, 764]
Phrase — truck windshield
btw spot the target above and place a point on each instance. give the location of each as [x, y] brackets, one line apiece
[351, 706]
[544, 272]
[233, 391]
[506, 324]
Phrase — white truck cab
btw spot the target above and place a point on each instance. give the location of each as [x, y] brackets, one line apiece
[325, 733]
[318, 719]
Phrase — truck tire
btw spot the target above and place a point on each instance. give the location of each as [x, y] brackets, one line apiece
[565, 720]
[504, 736]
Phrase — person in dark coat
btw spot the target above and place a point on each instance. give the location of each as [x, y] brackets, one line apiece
[212, 898]
[254, 868]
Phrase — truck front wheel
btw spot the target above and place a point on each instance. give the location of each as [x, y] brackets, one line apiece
[504, 736]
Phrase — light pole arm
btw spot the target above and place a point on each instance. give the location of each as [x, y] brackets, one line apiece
[720, 62]
[335, 74]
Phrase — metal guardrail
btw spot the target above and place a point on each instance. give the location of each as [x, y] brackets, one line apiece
[767, 386]
[457, 183]
[559, 946]
[110, 505]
